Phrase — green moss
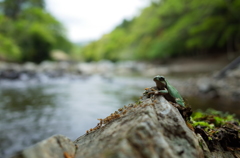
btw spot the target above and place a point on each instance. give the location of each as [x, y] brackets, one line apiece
[201, 145]
[209, 138]
[211, 120]
[138, 102]
[197, 115]
[219, 121]
[212, 123]
[200, 123]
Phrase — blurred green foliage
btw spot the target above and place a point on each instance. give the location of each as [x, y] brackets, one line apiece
[172, 27]
[28, 32]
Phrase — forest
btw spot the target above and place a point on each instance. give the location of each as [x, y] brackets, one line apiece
[170, 28]
[164, 29]
[28, 32]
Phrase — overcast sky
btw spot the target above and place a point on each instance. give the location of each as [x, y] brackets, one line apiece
[90, 19]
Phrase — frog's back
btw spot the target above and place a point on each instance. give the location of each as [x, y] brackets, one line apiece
[175, 94]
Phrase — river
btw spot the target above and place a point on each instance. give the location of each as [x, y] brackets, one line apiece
[32, 111]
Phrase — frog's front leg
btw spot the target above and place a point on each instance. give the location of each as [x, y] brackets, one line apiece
[164, 91]
[161, 92]
[157, 92]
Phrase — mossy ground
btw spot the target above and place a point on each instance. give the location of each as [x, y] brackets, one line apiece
[216, 126]
[211, 119]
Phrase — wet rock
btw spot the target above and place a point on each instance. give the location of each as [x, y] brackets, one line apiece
[235, 73]
[29, 67]
[236, 94]
[10, 74]
[47, 66]
[206, 87]
[59, 55]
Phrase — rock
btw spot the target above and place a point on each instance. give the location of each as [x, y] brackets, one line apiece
[54, 147]
[86, 68]
[154, 128]
[29, 66]
[235, 73]
[10, 74]
[234, 64]
[59, 55]
[206, 87]
[47, 66]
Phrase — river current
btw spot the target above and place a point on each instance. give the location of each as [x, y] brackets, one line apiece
[32, 111]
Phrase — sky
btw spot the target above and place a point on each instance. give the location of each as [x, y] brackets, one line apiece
[87, 20]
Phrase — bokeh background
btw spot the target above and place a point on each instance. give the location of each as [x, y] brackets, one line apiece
[64, 64]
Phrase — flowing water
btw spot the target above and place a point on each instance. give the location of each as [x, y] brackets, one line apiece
[32, 111]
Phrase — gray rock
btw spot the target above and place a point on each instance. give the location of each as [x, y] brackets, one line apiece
[53, 147]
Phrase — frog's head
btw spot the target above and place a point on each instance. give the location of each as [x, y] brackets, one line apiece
[160, 81]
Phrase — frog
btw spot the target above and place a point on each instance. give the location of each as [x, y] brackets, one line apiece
[168, 91]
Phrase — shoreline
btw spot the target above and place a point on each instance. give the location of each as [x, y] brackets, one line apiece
[192, 77]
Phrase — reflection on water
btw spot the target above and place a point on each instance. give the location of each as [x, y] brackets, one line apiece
[31, 112]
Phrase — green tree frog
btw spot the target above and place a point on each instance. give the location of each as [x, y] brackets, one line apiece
[169, 92]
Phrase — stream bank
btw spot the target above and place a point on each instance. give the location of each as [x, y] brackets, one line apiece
[192, 77]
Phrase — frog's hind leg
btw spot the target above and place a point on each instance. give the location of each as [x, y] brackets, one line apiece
[180, 102]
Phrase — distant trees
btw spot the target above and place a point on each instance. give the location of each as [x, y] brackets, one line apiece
[12, 8]
[28, 32]
[172, 27]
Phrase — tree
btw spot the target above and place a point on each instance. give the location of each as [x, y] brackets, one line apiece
[39, 33]
[8, 49]
[169, 28]
[12, 8]
[31, 29]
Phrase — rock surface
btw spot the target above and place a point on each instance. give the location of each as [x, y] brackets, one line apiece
[154, 128]
[55, 147]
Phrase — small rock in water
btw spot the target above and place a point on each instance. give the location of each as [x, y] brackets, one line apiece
[206, 87]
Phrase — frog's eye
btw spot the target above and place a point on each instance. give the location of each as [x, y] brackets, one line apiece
[160, 78]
